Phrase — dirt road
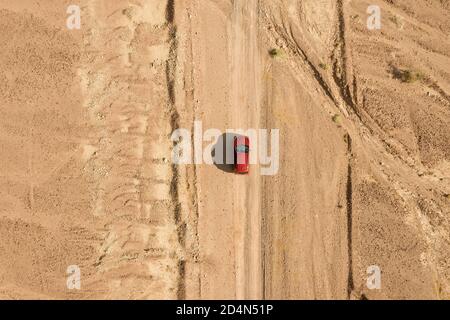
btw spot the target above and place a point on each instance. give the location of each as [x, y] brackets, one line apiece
[246, 114]
[85, 132]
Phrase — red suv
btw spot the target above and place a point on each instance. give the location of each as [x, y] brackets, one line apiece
[241, 154]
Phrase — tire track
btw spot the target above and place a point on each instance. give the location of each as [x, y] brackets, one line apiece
[246, 84]
[131, 102]
[349, 198]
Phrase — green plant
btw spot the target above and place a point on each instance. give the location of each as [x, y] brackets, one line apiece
[324, 66]
[274, 52]
[336, 118]
[409, 76]
[394, 20]
[398, 21]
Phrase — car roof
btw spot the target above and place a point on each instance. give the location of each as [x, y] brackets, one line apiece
[242, 140]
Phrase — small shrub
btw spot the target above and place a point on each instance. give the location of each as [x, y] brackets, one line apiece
[336, 118]
[394, 20]
[274, 52]
[323, 66]
[397, 21]
[408, 76]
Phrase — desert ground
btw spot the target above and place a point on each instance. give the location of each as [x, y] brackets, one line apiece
[88, 178]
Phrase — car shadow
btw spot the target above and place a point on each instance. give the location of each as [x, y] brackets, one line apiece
[223, 154]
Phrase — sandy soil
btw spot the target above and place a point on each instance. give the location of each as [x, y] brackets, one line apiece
[86, 171]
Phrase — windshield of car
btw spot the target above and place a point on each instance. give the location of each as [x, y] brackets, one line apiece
[242, 148]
